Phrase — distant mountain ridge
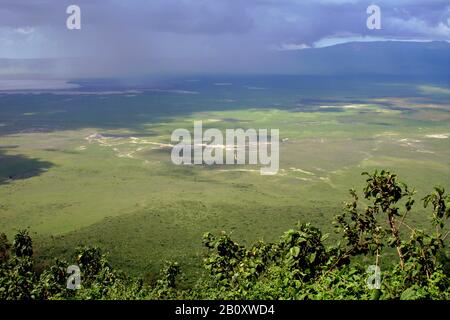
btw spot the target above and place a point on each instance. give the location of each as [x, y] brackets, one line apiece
[383, 58]
[374, 58]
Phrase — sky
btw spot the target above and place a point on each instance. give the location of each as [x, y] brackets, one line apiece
[137, 37]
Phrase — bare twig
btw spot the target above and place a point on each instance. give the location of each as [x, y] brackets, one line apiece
[446, 235]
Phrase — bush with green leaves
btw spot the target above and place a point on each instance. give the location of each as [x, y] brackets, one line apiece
[17, 277]
[301, 266]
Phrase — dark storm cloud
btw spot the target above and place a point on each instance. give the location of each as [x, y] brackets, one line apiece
[159, 36]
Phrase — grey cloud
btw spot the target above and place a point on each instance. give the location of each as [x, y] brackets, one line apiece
[158, 36]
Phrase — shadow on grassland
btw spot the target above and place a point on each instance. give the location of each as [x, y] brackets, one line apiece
[18, 167]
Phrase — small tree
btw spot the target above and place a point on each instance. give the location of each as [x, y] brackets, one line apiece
[421, 254]
[386, 191]
[23, 245]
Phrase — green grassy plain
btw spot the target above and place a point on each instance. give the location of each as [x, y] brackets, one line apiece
[118, 189]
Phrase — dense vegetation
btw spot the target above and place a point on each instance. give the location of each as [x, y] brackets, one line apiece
[300, 265]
